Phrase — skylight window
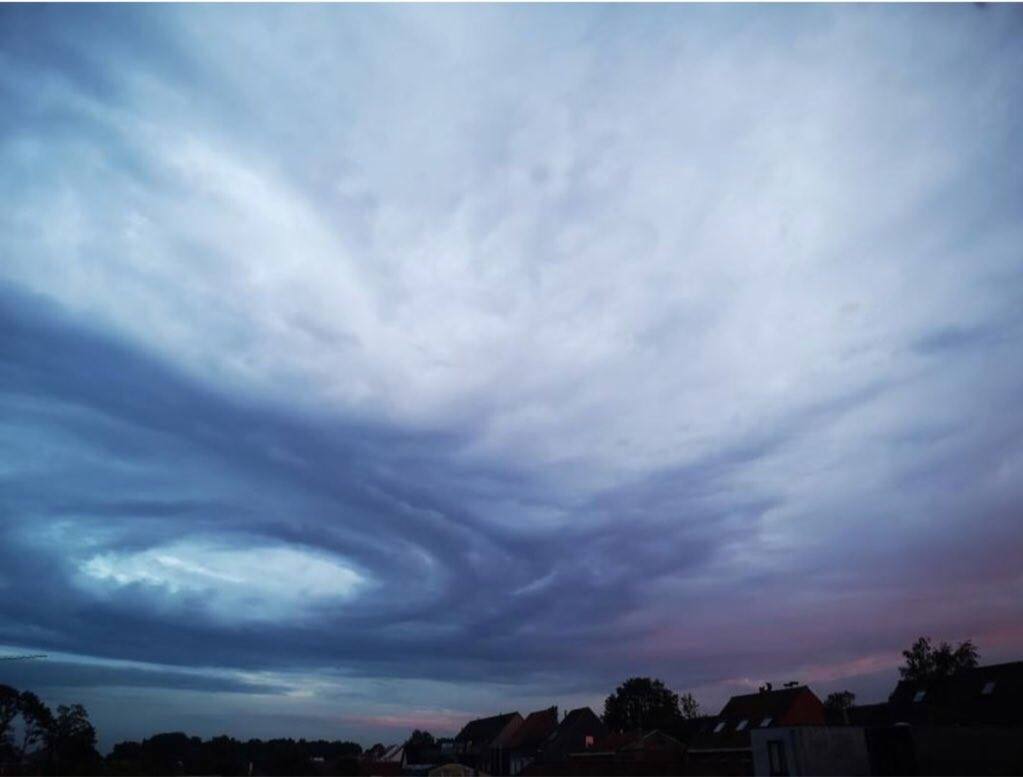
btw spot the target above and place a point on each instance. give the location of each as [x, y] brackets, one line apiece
[766, 722]
[742, 725]
[919, 695]
[988, 688]
[719, 727]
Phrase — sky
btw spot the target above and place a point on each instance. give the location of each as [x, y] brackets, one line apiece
[373, 368]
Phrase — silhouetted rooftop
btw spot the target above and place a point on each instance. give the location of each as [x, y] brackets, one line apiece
[990, 695]
[535, 729]
[484, 729]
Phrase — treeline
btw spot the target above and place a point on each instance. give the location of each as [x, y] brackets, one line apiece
[36, 741]
[177, 753]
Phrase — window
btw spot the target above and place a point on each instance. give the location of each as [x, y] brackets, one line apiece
[719, 727]
[776, 757]
[589, 741]
[988, 688]
[742, 725]
[766, 722]
[919, 695]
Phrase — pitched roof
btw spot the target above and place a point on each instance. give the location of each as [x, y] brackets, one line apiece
[983, 695]
[485, 729]
[616, 740]
[765, 709]
[382, 752]
[572, 720]
[534, 729]
[577, 715]
[765, 704]
[424, 754]
[639, 740]
[577, 723]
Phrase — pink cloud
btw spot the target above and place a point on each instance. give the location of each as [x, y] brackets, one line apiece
[869, 664]
[434, 721]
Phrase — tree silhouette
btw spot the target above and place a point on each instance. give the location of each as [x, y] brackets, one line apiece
[420, 739]
[71, 742]
[36, 721]
[688, 706]
[8, 712]
[840, 700]
[925, 663]
[641, 703]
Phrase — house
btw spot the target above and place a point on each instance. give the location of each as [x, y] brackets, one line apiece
[526, 742]
[652, 750]
[425, 758]
[888, 750]
[632, 753]
[422, 757]
[382, 760]
[578, 731]
[982, 696]
[970, 723]
[482, 743]
[723, 744]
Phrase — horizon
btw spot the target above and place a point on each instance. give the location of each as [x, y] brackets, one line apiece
[403, 726]
[365, 369]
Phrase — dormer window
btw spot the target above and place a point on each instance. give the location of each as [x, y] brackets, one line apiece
[742, 725]
[988, 688]
[719, 727]
[919, 696]
[766, 722]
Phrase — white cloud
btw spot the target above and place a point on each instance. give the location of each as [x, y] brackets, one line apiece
[235, 584]
[626, 263]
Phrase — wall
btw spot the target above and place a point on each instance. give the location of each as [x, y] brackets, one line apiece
[960, 751]
[814, 750]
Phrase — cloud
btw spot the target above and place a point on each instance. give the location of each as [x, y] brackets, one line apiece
[258, 583]
[80, 674]
[429, 720]
[509, 350]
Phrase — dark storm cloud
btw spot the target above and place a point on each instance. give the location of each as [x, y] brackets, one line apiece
[491, 630]
[129, 409]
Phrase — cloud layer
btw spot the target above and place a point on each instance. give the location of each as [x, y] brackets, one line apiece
[404, 363]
